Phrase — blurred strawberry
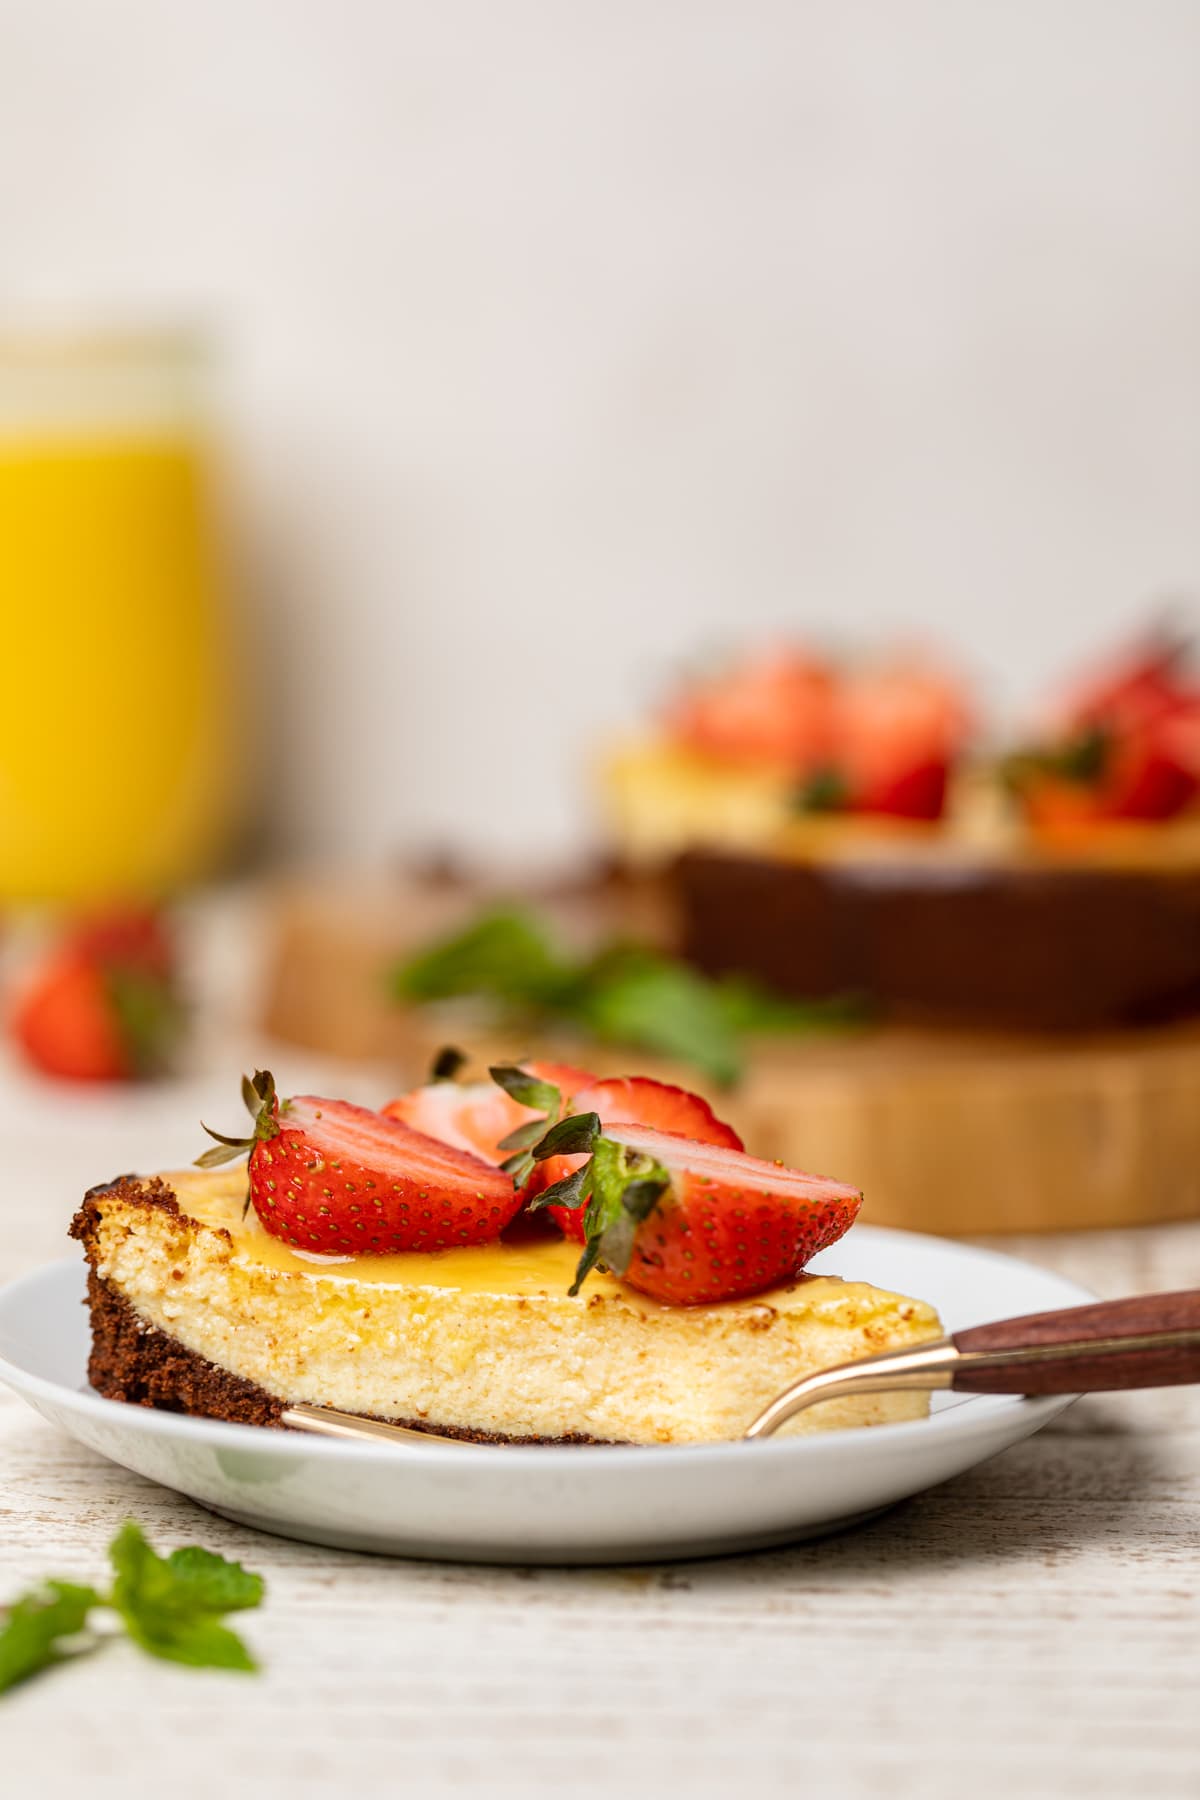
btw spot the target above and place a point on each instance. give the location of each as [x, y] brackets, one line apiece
[873, 740]
[1137, 685]
[896, 732]
[477, 1115]
[774, 709]
[1124, 745]
[103, 1006]
[132, 938]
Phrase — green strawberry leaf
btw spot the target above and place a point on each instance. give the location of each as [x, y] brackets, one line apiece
[574, 1136]
[573, 1190]
[825, 790]
[519, 1166]
[150, 1018]
[446, 1064]
[263, 1104]
[525, 1136]
[1082, 760]
[38, 1627]
[525, 1088]
[626, 1186]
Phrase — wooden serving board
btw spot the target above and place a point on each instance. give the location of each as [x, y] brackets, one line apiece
[951, 1132]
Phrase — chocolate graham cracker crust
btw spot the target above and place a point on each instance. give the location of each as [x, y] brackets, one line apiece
[134, 1362]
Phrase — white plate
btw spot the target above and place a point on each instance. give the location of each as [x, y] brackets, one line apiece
[551, 1504]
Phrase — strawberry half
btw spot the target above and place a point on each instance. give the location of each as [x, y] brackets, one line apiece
[898, 731]
[773, 709]
[630, 1100]
[333, 1178]
[689, 1223]
[478, 1115]
[1125, 745]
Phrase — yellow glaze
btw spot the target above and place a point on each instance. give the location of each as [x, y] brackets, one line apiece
[522, 1267]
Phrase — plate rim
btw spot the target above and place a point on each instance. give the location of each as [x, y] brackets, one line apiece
[962, 1421]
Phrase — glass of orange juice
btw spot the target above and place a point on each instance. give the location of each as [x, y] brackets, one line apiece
[117, 741]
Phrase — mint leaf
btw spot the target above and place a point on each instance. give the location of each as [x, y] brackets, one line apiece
[639, 997]
[626, 994]
[505, 955]
[200, 1643]
[171, 1606]
[750, 1008]
[213, 1582]
[36, 1626]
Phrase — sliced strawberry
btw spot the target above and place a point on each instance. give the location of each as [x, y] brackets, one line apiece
[1124, 745]
[1137, 684]
[898, 731]
[333, 1178]
[691, 1223]
[774, 709]
[1154, 773]
[632, 1100]
[477, 1115]
[67, 1024]
[915, 793]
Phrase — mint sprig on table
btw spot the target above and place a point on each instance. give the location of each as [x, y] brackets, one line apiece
[625, 993]
[172, 1606]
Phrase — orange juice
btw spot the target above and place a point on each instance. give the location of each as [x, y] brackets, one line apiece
[116, 752]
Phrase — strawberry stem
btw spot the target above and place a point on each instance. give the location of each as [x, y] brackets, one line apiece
[446, 1064]
[626, 1186]
[263, 1105]
[526, 1090]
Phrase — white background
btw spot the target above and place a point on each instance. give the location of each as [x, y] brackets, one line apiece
[563, 338]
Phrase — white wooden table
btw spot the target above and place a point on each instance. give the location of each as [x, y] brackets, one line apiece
[1031, 1629]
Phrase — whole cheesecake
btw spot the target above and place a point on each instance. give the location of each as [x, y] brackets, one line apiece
[839, 831]
[971, 920]
[195, 1308]
[1073, 936]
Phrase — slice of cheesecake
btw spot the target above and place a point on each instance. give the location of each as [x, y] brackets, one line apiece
[196, 1309]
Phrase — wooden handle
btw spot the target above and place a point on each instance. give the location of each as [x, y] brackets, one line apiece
[1150, 1341]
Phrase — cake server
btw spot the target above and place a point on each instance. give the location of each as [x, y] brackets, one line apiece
[1149, 1341]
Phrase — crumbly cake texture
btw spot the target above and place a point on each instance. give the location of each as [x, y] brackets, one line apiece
[184, 1319]
[135, 1363]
